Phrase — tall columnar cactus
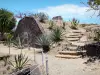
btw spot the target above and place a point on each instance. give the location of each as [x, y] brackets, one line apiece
[74, 23]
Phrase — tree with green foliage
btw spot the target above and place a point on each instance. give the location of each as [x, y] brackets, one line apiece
[7, 21]
[95, 5]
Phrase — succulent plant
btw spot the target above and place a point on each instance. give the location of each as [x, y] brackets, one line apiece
[74, 23]
[56, 34]
[20, 61]
[45, 42]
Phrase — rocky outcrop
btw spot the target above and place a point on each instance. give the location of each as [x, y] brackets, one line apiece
[58, 20]
[28, 30]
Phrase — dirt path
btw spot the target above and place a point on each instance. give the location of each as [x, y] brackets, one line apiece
[58, 66]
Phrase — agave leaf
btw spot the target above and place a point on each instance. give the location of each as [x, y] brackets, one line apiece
[25, 61]
[11, 64]
[16, 62]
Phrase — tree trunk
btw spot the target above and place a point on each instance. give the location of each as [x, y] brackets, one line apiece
[46, 48]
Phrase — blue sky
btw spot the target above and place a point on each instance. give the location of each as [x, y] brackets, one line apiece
[65, 8]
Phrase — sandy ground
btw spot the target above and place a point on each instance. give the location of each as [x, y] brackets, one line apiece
[58, 66]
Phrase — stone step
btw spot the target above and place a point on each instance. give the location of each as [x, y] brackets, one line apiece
[76, 31]
[71, 52]
[72, 48]
[74, 34]
[78, 43]
[67, 56]
[73, 39]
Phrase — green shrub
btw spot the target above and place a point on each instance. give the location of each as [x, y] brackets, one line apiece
[56, 34]
[7, 22]
[74, 23]
[9, 37]
[19, 61]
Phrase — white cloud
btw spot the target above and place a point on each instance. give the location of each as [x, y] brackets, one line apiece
[68, 11]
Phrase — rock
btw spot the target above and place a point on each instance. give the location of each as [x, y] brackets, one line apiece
[58, 20]
[28, 30]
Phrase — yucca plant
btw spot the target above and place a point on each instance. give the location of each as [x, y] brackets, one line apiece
[56, 34]
[74, 23]
[19, 61]
[45, 42]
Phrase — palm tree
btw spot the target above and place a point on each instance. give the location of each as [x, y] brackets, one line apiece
[7, 21]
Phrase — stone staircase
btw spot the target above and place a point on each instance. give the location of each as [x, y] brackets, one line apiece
[69, 54]
[73, 38]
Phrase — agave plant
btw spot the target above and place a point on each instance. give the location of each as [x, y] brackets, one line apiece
[45, 42]
[74, 23]
[20, 61]
[56, 34]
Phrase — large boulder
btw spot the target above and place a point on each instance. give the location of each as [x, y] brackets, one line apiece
[28, 30]
[92, 49]
[58, 20]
